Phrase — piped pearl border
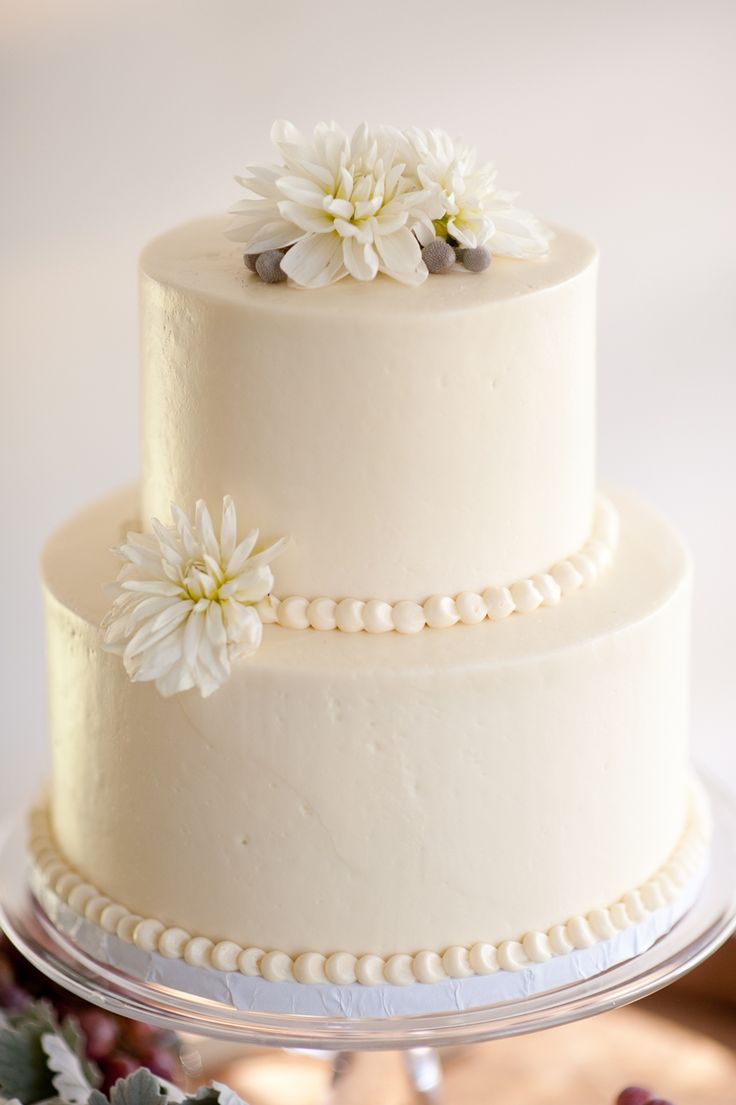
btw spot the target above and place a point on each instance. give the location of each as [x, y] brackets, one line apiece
[469, 607]
[53, 877]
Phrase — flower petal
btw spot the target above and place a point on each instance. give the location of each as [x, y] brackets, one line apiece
[399, 252]
[241, 553]
[228, 528]
[152, 586]
[274, 235]
[174, 682]
[251, 585]
[340, 208]
[265, 556]
[250, 632]
[315, 261]
[151, 633]
[301, 190]
[284, 133]
[191, 637]
[205, 529]
[185, 530]
[390, 219]
[316, 221]
[360, 260]
[156, 660]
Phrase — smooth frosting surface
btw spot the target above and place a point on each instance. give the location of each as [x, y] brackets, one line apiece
[350, 793]
[413, 441]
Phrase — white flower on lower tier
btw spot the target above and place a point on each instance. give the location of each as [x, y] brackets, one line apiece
[471, 209]
[343, 206]
[184, 607]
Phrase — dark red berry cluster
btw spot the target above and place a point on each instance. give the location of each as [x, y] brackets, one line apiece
[637, 1095]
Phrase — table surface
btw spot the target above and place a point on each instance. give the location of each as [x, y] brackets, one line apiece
[586, 1063]
[681, 1043]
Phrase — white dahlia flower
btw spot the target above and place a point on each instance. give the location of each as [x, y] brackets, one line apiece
[343, 206]
[184, 606]
[465, 202]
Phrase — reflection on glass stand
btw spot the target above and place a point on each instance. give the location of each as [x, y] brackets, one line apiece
[707, 925]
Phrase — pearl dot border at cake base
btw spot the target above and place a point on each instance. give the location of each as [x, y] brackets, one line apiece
[350, 615]
[55, 881]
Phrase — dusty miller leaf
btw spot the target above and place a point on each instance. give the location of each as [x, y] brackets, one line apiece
[24, 1072]
[226, 1096]
[140, 1088]
[69, 1079]
[205, 1095]
[73, 1037]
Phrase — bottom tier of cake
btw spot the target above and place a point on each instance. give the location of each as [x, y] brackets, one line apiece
[142, 948]
[382, 808]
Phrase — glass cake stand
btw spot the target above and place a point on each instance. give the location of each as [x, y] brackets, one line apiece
[695, 937]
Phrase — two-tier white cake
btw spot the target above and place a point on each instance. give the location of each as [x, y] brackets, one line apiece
[461, 746]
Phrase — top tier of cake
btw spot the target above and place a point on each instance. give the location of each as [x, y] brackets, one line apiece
[411, 441]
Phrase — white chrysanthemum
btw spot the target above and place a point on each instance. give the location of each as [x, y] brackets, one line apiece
[343, 205]
[470, 207]
[185, 601]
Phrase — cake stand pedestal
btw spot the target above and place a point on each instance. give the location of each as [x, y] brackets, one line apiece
[700, 932]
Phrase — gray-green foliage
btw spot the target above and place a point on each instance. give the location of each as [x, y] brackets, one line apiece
[24, 1072]
[25, 1075]
[140, 1088]
[206, 1095]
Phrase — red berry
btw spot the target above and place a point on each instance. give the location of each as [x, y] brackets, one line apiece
[12, 997]
[139, 1036]
[162, 1064]
[117, 1066]
[100, 1032]
[634, 1095]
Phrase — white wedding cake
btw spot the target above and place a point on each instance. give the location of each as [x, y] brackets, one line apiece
[430, 721]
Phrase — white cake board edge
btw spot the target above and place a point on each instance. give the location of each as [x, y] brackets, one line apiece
[452, 995]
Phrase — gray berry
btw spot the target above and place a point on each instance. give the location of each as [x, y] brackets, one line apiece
[438, 255]
[249, 260]
[477, 260]
[268, 266]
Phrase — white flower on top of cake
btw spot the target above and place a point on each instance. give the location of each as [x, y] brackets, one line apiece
[468, 206]
[185, 600]
[343, 205]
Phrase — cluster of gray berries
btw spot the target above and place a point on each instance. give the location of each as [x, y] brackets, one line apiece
[267, 265]
[439, 255]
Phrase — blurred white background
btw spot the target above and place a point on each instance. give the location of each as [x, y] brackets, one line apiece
[119, 119]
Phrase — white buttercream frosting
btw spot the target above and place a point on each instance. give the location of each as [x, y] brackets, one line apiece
[461, 722]
[402, 968]
[198, 952]
[442, 611]
[310, 967]
[412, 442]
